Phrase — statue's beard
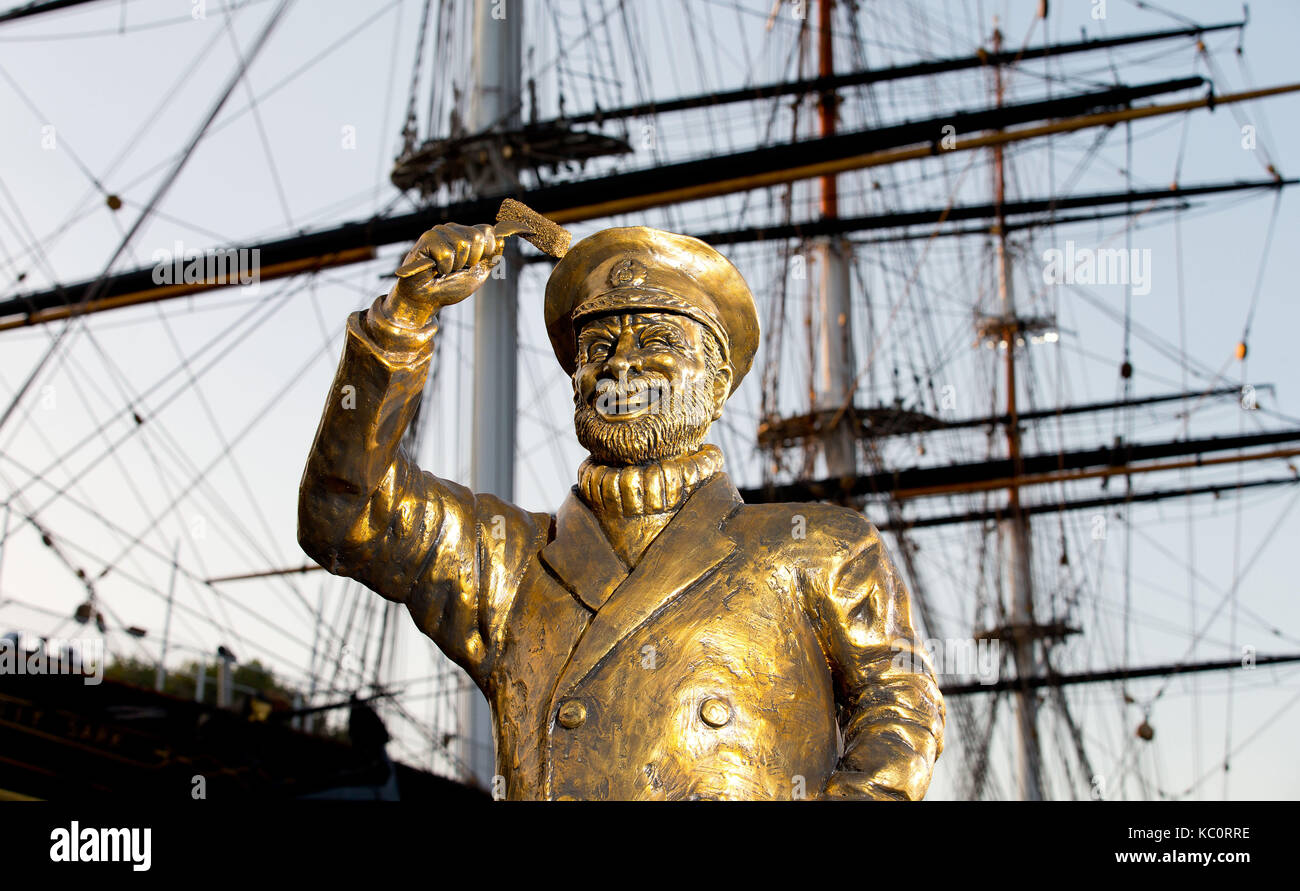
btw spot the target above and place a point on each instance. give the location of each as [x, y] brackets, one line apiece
[677, 423]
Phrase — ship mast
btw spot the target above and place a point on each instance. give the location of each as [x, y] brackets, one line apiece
[834, 369]
[1013, 529]
[494, 106]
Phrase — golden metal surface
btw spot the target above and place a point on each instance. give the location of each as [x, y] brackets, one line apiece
[656, 638]
[548, 237]
[513, 218]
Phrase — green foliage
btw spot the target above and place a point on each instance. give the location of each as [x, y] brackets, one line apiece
[182, 682]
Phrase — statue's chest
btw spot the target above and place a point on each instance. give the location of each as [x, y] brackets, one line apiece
[711, 677]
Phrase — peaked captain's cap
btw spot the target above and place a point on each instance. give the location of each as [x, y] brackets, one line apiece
[639, 269]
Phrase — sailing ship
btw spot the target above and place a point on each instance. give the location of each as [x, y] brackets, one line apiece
[966, 234]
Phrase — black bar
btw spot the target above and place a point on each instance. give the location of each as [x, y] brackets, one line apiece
[840, 225]
[1034, 221]
[886, 482]
[875, 75]
[878, 431]
[1089, 407]
[1051, 507]
[1119, 674]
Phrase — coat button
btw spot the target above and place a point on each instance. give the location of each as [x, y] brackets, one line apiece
[715, 712]
[572, 714]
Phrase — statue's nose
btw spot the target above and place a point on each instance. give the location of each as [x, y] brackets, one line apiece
[624, 360]
[620, 364]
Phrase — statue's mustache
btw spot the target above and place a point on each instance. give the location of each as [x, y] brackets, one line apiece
[624, 387]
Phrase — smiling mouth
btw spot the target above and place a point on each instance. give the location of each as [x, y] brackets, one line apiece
[624, 408]
[614, 403]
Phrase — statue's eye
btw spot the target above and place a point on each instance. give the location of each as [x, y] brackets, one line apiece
[597, 351]
[657, 340]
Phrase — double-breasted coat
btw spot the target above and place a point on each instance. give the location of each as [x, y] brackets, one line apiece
[753, 651]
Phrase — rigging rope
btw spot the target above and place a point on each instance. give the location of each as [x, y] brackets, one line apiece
[409, 130]
[163, 188]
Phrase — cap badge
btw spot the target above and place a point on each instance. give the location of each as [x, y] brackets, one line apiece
[627, 272]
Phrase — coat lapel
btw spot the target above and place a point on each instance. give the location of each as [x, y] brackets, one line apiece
[689, 546]
[581, 555]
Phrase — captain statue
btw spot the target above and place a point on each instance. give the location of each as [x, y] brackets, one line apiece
[656, 638]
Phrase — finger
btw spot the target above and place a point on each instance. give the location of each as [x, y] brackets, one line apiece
[436, 236]
[461, 233]
[486, 235]
[462, 252]
[491, 244]
[460, 238]
[475, 250]
[441, 252]
[478, 245]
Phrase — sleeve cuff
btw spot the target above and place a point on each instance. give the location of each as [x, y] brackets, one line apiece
[394, 338]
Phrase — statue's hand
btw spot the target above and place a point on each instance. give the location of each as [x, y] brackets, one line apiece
[460, 257]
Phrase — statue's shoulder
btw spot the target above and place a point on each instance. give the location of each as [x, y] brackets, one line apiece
[819, 524]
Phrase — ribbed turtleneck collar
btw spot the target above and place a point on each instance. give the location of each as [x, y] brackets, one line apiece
[654, 488]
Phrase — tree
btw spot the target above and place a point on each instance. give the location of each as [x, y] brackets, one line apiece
[248, 679]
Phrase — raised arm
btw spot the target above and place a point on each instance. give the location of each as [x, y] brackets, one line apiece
[893, 713]
[365, 510]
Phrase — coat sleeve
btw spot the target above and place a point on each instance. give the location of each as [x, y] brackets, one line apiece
[892, 714]
[367, 512]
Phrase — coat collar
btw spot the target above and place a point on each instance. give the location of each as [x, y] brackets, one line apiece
[689, 546]
[581, 555]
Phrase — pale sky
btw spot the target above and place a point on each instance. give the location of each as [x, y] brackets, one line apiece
[264, 364]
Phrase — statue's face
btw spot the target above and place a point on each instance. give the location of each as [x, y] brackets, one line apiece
[647, 386]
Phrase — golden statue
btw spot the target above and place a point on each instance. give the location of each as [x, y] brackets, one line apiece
[657, 638]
